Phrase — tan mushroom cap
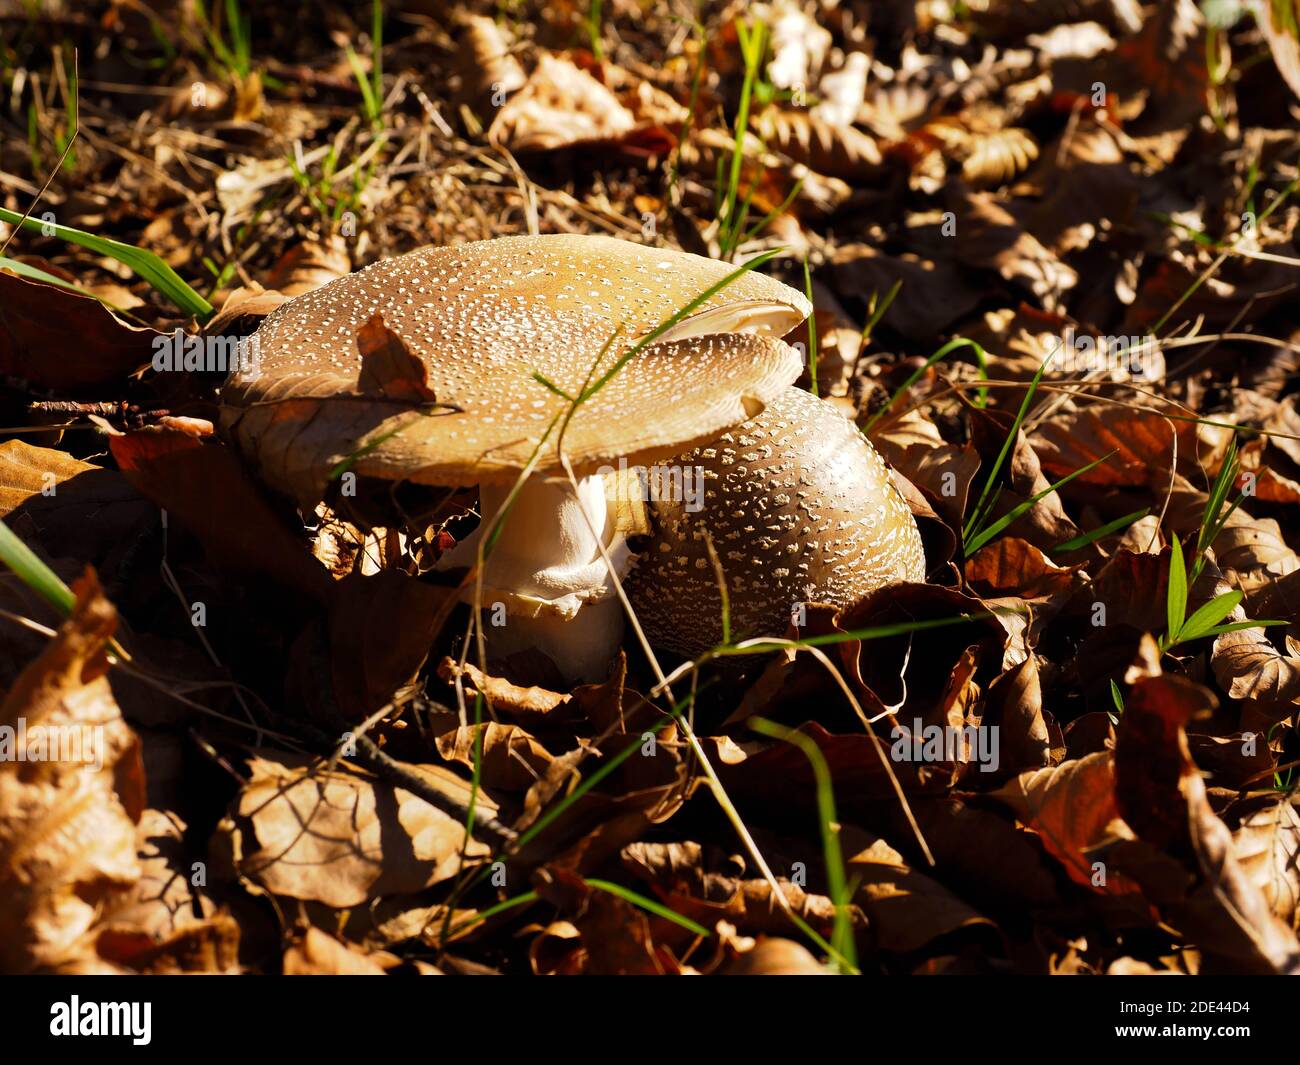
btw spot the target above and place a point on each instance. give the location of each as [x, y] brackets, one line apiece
[486, 317]
[800, 508]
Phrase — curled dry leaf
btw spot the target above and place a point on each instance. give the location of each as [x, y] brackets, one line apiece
[708, 887]
[616, 937]
[508, 757]
[943, 471]
[1072, 808]
[490, 70]
[1248, 666]
[838, 151]
[167, 924]
[71, 793]
[906, 909]
[1015, 708]
[914, 673]
[561, 106]
[995, 157]
[1194, 875]
[526, 704]
[339, 838]
[242, 311]
[1046, 523]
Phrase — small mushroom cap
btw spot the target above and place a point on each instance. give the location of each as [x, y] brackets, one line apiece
[800, 508]
[486, 318]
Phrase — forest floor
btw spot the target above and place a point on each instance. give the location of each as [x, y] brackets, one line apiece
[1051, 251]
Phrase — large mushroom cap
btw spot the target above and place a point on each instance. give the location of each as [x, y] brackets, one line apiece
[800, 509]
[485, 319]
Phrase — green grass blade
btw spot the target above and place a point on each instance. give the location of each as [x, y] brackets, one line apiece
[649, 905]
[1102, 532]
[145, 264]
[978, 514]
[369, 102]
[1176, 599]
[812, 327]
[1238, 626]
[952, 345]
[985, 535]
[33, 572]
[37, 274]
[1210, 614]
[878, 632]
[836, 878]
[876, 310]
[491, 911]
[1117, 697]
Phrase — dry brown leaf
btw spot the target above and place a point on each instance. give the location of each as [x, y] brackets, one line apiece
[71, 792]
[528, 704]
[561, 106]
[507, 756]
[1248, 666]
[200, 484]
[1046, 523]
[68, 508]
[342, 839]
[1266, 842]
[1193, 875]
[1142, 442]
[313, 953]
[943, 471]
[933, 294]
[1278, 21]
[308, 266]
[1011, 566]
[165, 900]
[1088, 187]
[1072, 807]
[839, 151]
[906, 908]
[36, 322]
[707, 887]
[616, 936]
[1015, 707]
[995, 157]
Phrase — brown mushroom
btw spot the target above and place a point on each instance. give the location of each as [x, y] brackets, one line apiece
[486, 322]
[800, 509]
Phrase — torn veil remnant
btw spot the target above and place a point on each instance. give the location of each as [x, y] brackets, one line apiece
[479, 352]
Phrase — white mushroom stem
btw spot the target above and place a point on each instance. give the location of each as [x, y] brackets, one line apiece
[544, 585]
